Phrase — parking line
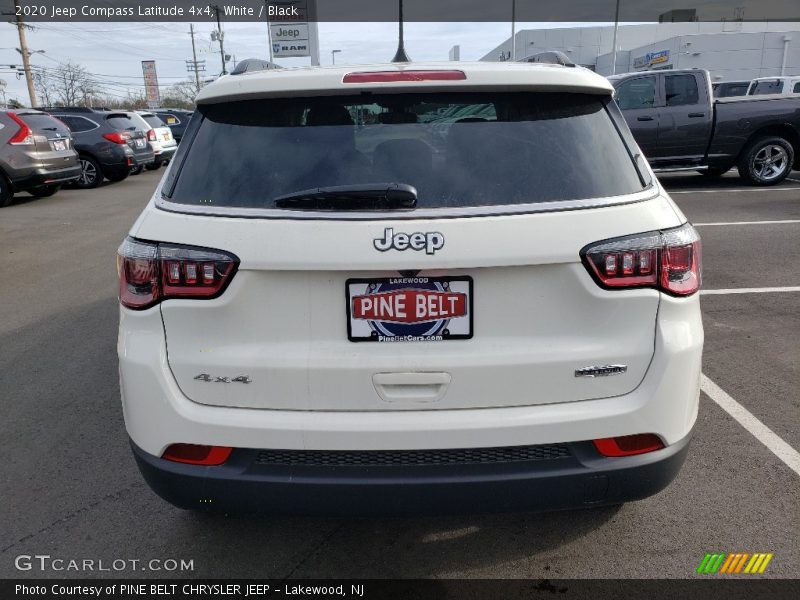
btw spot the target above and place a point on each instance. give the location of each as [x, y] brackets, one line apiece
[746, 419]
[724, 190]
[771, 290]
[783, 222]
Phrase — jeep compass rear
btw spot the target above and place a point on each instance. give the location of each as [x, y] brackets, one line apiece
[408, 288]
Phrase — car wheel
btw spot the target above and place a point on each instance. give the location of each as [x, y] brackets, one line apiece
[153, 166]
[6, 193]
[115, 177]
[713, 171]
[91, 174]
[136, 170]
[44, 191]
[767, 161]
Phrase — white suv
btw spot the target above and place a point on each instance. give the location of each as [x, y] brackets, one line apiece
[409, 288]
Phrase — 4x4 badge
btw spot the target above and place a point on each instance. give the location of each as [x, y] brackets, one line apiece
[430, 241]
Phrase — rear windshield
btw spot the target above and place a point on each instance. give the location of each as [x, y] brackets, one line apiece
[153, 121]
[457, 150]
[120, 122]
[43, 123]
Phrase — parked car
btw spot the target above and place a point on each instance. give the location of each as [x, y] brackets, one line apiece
[729, 89]
[774, 85]
[480, 298]
[176, 119]
[105, 142]
[159, 136]
[678, 125]
[36, 154]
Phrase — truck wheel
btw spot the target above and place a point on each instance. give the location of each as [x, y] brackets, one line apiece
[6, 194]
[767, 161]
[714, 171]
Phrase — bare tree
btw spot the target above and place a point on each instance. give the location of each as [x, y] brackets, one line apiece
[69, 84]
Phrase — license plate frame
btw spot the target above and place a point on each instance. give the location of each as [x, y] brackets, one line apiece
[59, 145]
[442, 289]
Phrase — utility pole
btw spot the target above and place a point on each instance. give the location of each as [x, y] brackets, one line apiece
[220, 35]
[194, 65]
[614, 50]
[26, 63]
[513, 30]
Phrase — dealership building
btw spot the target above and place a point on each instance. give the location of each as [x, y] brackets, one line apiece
[730, 50]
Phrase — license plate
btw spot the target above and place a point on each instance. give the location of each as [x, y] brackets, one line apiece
[171, 120]
[167, 137]
[140, 143]
[59, 145]
[409, 309]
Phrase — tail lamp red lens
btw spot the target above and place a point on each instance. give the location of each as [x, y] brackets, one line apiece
[391, 76]
[629, 445]
[195, 454]
[151, 135]
[667, 260]
[117, 137]
[150, 272]
[23, 137]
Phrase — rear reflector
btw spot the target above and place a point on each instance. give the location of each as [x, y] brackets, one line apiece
[194, 454]
[389, 76]
[629, 445]
[668, 260]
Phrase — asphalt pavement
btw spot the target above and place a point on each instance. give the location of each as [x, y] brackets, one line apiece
[70, 488]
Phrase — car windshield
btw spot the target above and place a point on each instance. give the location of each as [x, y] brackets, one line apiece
[121, 122]
[456, 149]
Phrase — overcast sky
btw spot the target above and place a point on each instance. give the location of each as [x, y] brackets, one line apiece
[113, 52]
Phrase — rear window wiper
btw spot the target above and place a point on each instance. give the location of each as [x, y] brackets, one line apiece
[369, 196]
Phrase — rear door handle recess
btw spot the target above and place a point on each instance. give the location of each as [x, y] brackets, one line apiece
[645, 118]
[411, 387]
[696, 115]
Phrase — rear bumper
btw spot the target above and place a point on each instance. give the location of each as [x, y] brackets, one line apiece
[582, 478]
[43, 176]
[165, 153]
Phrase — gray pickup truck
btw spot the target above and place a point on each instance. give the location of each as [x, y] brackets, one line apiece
[679, 125]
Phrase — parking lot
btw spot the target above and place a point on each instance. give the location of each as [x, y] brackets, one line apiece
[71, 489]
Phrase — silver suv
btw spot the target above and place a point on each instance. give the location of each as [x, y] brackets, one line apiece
[36, 154]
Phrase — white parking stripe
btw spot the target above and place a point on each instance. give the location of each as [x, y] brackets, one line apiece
[772, 290]
[784, 222]
[727, 191]
[746, 419]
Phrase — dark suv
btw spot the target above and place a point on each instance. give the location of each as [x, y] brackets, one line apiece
[108, 142]
[176, 119]
[36, 154]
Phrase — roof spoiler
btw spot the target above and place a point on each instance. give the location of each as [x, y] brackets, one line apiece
[551, 57]
[253, 64]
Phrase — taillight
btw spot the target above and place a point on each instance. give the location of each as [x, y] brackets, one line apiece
[150, 273]
[667, 260]
[388, 76]
[629, 445]
[117, 137]
[195, 454]
[151, 135]
[24, 137]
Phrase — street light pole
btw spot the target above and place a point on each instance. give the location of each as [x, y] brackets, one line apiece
[333, 56]
[513, 30]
